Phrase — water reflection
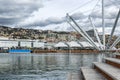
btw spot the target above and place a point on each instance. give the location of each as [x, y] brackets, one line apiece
[43, 66]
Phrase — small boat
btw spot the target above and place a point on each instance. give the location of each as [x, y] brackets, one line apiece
[19, 51]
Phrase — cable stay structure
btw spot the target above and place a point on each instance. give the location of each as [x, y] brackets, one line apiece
[115, 43]
[96, 33]
[81, 6]
[101, 41]
[78, 31]
[113, 30]
[81, 31]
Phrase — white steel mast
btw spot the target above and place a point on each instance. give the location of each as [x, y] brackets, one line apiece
[96, 34]
[83, 33]
[103, 23]
[113, 30]
[115, 43]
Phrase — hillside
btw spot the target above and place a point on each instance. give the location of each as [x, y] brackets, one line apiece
[46, 35]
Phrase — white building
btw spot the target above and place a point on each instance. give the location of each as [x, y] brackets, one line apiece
[8, 43]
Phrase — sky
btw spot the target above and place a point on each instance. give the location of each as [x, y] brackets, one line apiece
[51, 14]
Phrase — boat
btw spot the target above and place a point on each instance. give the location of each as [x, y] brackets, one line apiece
[19, 51]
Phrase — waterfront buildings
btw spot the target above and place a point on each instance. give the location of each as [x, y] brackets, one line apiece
[13, 37]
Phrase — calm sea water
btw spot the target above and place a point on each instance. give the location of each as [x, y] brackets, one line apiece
[43, 66]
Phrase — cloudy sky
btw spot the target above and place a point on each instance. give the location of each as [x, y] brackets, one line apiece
[51, 14]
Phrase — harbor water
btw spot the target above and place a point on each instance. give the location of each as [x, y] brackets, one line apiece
[51, 66]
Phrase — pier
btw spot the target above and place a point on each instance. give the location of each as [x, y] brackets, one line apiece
[109, 69]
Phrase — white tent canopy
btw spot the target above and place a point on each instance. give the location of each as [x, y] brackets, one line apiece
[74, 44]
[61, 44]
[98, 45]
[114, 48]
[39, 44]
[85, 44]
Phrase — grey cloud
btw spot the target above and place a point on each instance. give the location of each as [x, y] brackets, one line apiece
[9, 21]
[78, 16]
[70, 29]
[54, 20]
[97, 16]
[48, 21]
[112, 2]
[108, 15]
[17, 12]
[110, 7]
[12, 8]
[108, 23]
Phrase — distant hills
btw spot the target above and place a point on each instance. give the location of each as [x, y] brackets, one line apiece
[21, 33]
[45, 35]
